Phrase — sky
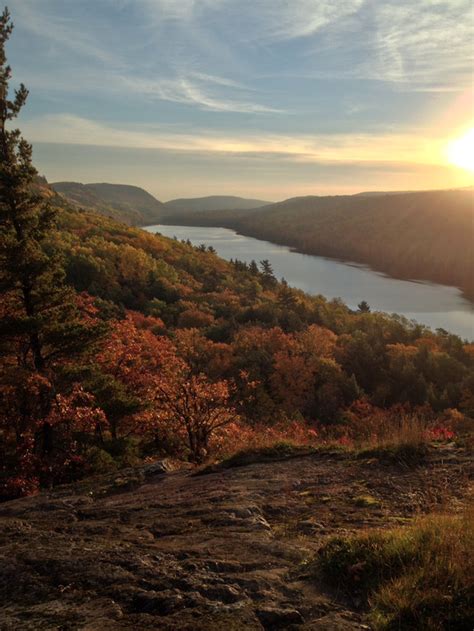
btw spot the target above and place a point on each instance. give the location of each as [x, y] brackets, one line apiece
[258, 98]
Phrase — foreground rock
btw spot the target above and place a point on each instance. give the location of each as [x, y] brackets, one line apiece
[154, 549]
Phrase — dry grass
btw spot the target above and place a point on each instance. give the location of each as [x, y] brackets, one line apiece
[404, 440]
[417, 577]
[272, 452]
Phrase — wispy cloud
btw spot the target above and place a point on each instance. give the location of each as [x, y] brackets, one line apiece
[347, 148]
[429, 42]
[113, 72]
[198, 90]
[41, 20]
[419, 43]
[198, 51]
[267, 19]
[282, 20]
[195, 89]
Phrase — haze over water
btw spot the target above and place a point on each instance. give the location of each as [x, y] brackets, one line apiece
[437, 306]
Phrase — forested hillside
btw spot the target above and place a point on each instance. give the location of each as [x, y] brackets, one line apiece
[213, 202]
[135, 206]
[117, 344]
[424, 235]
[181, 352]
[129, 204]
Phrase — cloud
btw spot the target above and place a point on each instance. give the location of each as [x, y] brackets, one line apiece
[267, 19]
[328, 148]
[208, 53]
[195, 89]
[427, 43]
[159, 10]
[174, 81]
[396, 41]
[65, 33]
[282, 20]
[200, 90]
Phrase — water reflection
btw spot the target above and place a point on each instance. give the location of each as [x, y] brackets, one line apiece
[429, 303]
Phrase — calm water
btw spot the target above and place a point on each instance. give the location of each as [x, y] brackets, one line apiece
[434, 305]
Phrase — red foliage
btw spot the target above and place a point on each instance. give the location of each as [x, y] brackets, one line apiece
[440, 434]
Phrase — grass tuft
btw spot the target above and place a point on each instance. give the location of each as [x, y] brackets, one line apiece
[366, 501]
[407, 454]
[417, 577]
[281, 450]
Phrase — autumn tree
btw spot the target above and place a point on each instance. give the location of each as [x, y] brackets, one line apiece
[196, 406]
[148, 386]
[122, 375]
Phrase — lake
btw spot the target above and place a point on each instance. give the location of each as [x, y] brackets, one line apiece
[437, 306]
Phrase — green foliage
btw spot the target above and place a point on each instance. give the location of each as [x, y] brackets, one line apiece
[43, 321]
[125, 451]
[100, 461]
[366, 501]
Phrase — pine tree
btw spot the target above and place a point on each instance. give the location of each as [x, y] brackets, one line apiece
[253, 268]
[268, 276]
[363, 307]
[40, 323]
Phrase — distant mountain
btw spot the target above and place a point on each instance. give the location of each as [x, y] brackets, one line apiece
[130, 204]
[419, 235]
[378, 193]
[214, 202]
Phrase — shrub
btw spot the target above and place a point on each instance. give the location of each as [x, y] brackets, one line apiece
[18, 486]
[100, 461]
[124, 451]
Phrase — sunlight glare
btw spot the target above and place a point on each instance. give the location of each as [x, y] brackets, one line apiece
[460, 152]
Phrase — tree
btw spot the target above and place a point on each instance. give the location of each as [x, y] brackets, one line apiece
[286, 297]
[195, 406]
[253, 268]
[363, 307]
[268, 276]
[42, 323]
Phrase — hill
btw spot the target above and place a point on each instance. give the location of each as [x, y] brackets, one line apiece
[130, 204]
[421, 235]
[214, 202]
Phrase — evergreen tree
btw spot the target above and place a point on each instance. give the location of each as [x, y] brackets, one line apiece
[286, 296]
[41, 323]
[253, 268]
[363, 307]
[268, 276]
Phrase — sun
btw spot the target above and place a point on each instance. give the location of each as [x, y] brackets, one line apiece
[460, 152]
